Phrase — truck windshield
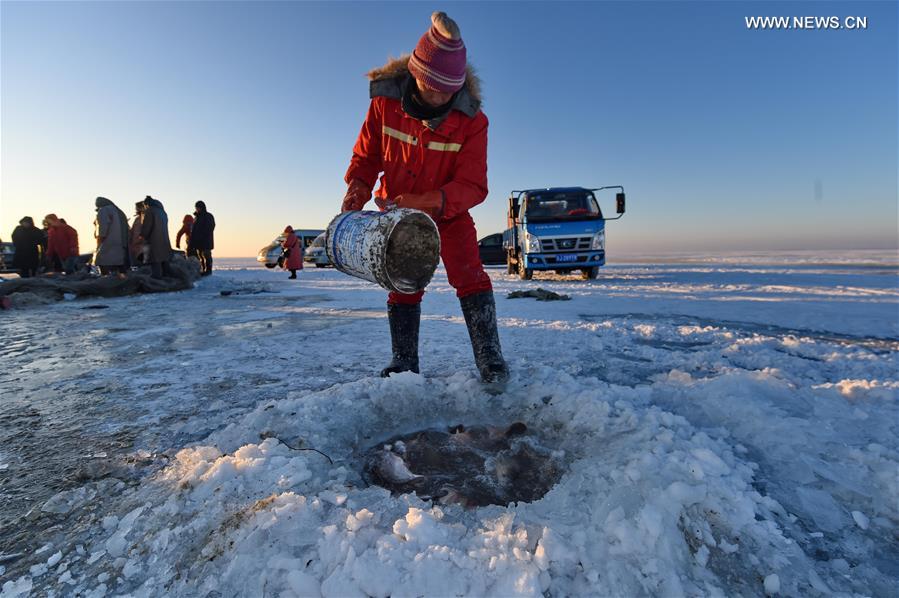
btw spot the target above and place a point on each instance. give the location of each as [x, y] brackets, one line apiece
[550, 207]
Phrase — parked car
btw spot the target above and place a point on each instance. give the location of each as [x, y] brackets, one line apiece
[491, 250]
[269, 254]
[7, 253]
[316, 253]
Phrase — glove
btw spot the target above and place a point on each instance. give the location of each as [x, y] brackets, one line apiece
[431, 203]
[357, 194]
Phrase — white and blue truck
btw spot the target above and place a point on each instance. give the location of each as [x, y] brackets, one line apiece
[559, 228]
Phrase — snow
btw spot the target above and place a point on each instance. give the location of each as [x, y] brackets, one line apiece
[727, 427]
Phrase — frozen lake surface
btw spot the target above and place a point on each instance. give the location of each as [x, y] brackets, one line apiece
[728, 426]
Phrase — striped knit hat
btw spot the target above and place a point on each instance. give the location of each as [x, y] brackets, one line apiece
[439, 58]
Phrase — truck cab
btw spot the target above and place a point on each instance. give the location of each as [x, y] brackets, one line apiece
[557, 228]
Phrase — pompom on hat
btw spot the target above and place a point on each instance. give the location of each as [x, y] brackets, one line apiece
[439, 59]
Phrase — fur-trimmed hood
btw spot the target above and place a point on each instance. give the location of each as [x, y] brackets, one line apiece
[388, 80]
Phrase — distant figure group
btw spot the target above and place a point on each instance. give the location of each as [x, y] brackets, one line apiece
[120, 246]
[52, 248]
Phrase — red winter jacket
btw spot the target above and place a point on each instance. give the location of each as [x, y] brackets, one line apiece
[294, 261]
[62, 241]
[413, 157]
[187, 224]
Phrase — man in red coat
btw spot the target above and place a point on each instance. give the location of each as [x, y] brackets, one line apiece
[426, 138]
[62, 244]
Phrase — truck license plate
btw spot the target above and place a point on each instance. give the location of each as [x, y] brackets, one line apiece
[566, 258]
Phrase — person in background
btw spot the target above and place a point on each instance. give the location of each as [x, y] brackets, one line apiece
[201, 238]
[187, 224]
[135, 241]
[111, 231]
[425, 138]
[27, 238]
[62, 244]
[155, 232]
[46, 264]
[74, 234]
[293, 251]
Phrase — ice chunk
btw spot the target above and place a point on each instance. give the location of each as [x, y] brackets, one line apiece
[772, 584]
[359, 520]
[304, 584]
[860, 519]
[727, 547]
[702, 555]
[132, 568]
[822, 508]
[37, 570]
[110, 522]
[336, 499]
[66, 501]
[685, 493]
[116, 543]
[20, 587]
[421, 526]
[51, 562]
[815, 580]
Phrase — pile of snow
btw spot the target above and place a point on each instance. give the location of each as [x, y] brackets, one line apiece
[649, 504]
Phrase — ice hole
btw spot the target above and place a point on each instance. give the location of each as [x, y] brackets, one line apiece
[469, 466]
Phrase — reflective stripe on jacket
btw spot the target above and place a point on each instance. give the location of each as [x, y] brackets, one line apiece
[415, 159]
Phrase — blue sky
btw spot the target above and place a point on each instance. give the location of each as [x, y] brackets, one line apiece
[724, 138]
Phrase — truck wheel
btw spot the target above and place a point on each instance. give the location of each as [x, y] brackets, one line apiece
[589, 273]
[524, 273]
[270, 266]
[320, 265]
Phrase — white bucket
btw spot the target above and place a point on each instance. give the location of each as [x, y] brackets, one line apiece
[398, 249]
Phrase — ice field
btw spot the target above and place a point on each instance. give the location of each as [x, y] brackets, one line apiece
[728, 426]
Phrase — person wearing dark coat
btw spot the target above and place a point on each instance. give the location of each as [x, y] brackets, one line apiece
[201, 239]
[135, 241]
[27, 239]
[155, 231]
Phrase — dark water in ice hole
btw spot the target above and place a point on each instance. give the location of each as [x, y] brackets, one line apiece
[471, 466]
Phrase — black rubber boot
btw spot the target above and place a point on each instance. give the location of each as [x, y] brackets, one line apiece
[480, 316]
[404, 321]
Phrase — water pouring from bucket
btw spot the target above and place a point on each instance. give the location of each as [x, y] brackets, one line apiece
[398, 249]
